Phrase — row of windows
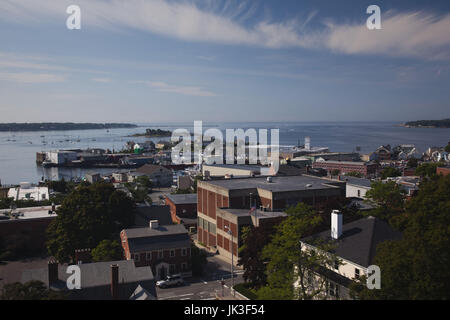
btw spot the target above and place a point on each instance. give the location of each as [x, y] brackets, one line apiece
[173, 268]
[148, 255]
[206, 225]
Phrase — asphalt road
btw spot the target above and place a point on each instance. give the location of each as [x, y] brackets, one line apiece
[205, 287]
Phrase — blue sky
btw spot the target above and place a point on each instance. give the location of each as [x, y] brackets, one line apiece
[259, 60]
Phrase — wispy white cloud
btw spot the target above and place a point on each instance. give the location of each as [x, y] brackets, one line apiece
[415, 34]
[184, 90]
[28, 77]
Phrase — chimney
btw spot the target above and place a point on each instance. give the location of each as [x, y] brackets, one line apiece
[336, 224]
[52, 272]
[154, 224]
[114, 281]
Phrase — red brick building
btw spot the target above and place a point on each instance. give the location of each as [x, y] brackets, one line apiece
[183, 208]
[443, 170]
[217, 201]
[365, 168]
[167, 249]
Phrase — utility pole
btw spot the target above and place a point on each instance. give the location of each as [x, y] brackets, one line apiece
[232, 259]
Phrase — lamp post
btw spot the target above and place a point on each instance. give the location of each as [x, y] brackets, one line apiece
[232, 260]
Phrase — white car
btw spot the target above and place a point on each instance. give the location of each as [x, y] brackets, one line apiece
[173, 280]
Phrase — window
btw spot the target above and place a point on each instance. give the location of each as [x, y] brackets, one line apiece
[135, 257]
[172, 269]
[356, 273]
[160, 254]
[359, 193]
[184, 252]
[184, 267]
[149, 256]
[172, 253]
[212, 228]
[333, 290]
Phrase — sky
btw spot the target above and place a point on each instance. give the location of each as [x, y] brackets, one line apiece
[150, 61]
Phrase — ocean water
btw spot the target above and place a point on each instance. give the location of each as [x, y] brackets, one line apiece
[18, 149]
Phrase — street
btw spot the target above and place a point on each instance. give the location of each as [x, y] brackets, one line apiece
[205, 287]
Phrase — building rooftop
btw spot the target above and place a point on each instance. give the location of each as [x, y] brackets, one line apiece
[359, 239]
[154, 212]
[163, 237]
[260, 214]
[355, 163]
[162, 230]
[278, 184]
[361, 182]
[183, 198]
[28, 213]
[96, 274]
[150, 168]
[255, 168]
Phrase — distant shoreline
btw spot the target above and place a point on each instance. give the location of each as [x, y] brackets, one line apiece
[61, 126]
[445, 123]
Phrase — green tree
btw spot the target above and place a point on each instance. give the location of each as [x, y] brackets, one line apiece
[388, 199]
[447, 147]
[198, 260]
[354, 174]
[390, 172]
[254, 239]
[107, 250]
[289, 262]
[412, 163]
[428, 169]
[32, 290]
[87, 216]
[335, 172]
[416, 267]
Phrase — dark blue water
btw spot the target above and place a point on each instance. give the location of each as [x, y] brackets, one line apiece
[18, 150]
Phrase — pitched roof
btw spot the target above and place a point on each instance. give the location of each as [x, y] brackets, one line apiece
[145, 214]
[96, 279]
[359, 239]
[151, 168]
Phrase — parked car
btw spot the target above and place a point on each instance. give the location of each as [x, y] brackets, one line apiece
[172, 280]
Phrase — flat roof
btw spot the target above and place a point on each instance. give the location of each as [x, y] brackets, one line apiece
[256, 213]
[29, 213]
[160, 231]
[357, 181]
[183, 198]
[278, 184]
[235, 166]
[359, 163]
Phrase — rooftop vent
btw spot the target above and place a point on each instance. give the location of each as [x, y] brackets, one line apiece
[154, 224]
[308, 185]
[269, 179]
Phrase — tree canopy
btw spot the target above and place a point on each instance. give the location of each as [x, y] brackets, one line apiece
[416, 267]
[32, 290]
[87, 216]
[107, 250]
[390, 172]
[388, 198]
[289, 262]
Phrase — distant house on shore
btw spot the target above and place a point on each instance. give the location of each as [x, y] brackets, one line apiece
[158, 175]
